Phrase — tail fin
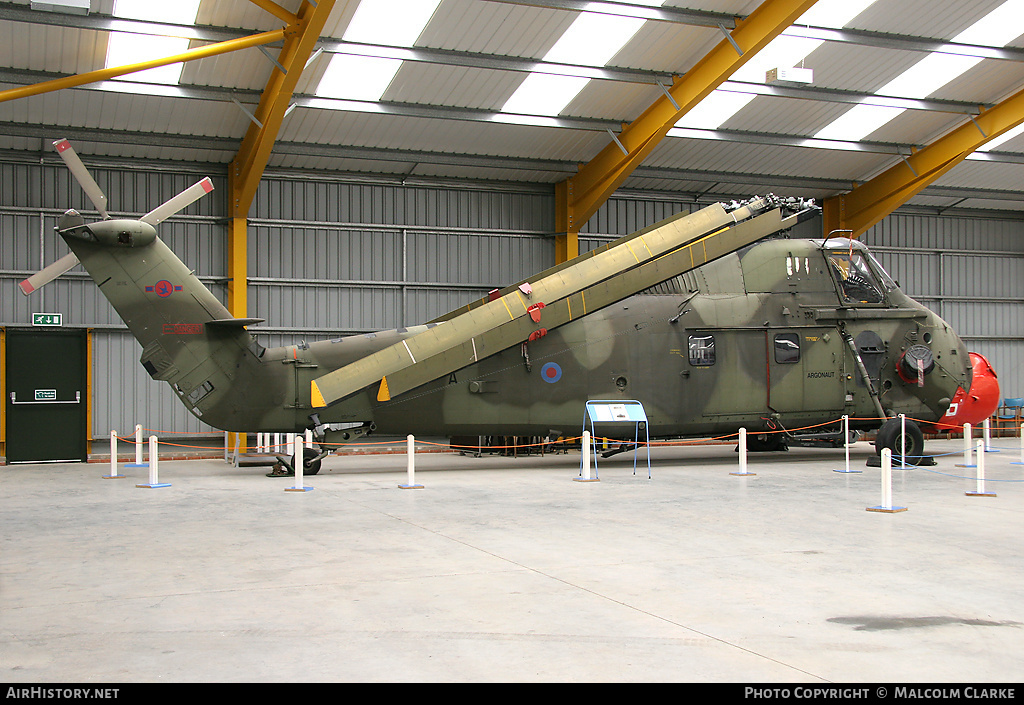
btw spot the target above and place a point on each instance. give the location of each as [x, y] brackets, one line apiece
[188, 338]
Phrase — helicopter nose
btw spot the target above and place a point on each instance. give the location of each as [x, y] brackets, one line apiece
[979, 403]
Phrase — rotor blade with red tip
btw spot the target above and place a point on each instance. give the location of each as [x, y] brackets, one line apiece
[183, 199]
[85, 180]
[49, 273]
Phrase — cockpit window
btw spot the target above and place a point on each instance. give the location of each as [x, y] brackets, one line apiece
[856, 280]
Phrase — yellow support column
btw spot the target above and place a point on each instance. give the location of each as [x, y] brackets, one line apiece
[567, 244]
[246, 170]
[238, 271]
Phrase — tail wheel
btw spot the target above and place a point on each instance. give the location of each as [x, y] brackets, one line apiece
[891, 436]
[310, 462]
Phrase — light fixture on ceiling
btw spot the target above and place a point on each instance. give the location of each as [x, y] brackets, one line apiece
[789, 77]
[75, 7]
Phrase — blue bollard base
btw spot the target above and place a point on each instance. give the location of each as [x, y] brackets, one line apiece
[887, 510]
[136, 465]
[159, 484]
[851, 472]
[410, 487]
[965, 466]
[298, 489]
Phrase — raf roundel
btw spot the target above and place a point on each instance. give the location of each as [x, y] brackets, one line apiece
[551, 372]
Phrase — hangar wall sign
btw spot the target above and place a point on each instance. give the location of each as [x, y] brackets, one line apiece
[48, 319]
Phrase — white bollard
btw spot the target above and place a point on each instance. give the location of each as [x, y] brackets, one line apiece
[987, 435]
[139, 462]
[410, 464]
[846, 445]
[298, 461]
[743, 454]
[967, 448]
[154, 481]
[1021, 461]
[585, 460]
[113, 458]
[980, 491]
[886, 505]
[903, 444]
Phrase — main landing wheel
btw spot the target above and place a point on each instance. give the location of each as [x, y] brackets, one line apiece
[766, 442]
[891, 436]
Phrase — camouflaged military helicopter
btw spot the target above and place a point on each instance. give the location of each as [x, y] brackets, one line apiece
[714, 321]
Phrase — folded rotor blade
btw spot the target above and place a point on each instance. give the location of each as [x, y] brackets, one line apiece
[183, 199]
[49, 273]
[85, 180]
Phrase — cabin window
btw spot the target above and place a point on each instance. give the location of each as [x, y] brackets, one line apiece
[702, 350]
[787, 348]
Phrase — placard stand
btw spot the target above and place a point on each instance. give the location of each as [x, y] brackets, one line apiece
[617, 411]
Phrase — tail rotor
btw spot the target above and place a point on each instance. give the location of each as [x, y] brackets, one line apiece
[118, 232]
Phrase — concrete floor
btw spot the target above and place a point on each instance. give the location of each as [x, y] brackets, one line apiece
[507, 569]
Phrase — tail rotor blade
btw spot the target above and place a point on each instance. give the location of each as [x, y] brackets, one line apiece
[179, 202]
[88, 184]
[49, 273]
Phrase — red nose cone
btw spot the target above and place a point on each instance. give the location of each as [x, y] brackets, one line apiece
[975, 406]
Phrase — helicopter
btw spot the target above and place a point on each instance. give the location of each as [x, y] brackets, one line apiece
[716, 320]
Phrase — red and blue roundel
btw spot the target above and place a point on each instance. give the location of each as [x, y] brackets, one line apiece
[551, 372]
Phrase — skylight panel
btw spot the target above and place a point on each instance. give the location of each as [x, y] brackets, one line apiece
[394, 22]
[592, 39]
[357, 77]
[544, 94]
[391, 22]
[782, 52]
[176, 12]
[125, 49]
[998, 28]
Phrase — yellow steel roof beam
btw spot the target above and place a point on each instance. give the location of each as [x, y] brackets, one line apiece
[276, 10]
[598, 179]
[115, 71]
[870, 202]
[252, 157]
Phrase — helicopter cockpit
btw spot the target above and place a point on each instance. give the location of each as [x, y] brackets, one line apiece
[860, 279]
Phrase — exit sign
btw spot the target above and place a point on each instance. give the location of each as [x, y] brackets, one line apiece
[47, 319]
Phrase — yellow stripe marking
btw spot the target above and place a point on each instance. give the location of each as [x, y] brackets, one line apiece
[632, 253]
[508, 309]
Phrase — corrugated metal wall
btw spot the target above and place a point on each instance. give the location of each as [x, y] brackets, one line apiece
[326, 257]
[331, 256]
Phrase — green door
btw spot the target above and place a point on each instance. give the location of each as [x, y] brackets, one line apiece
[46, 396]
